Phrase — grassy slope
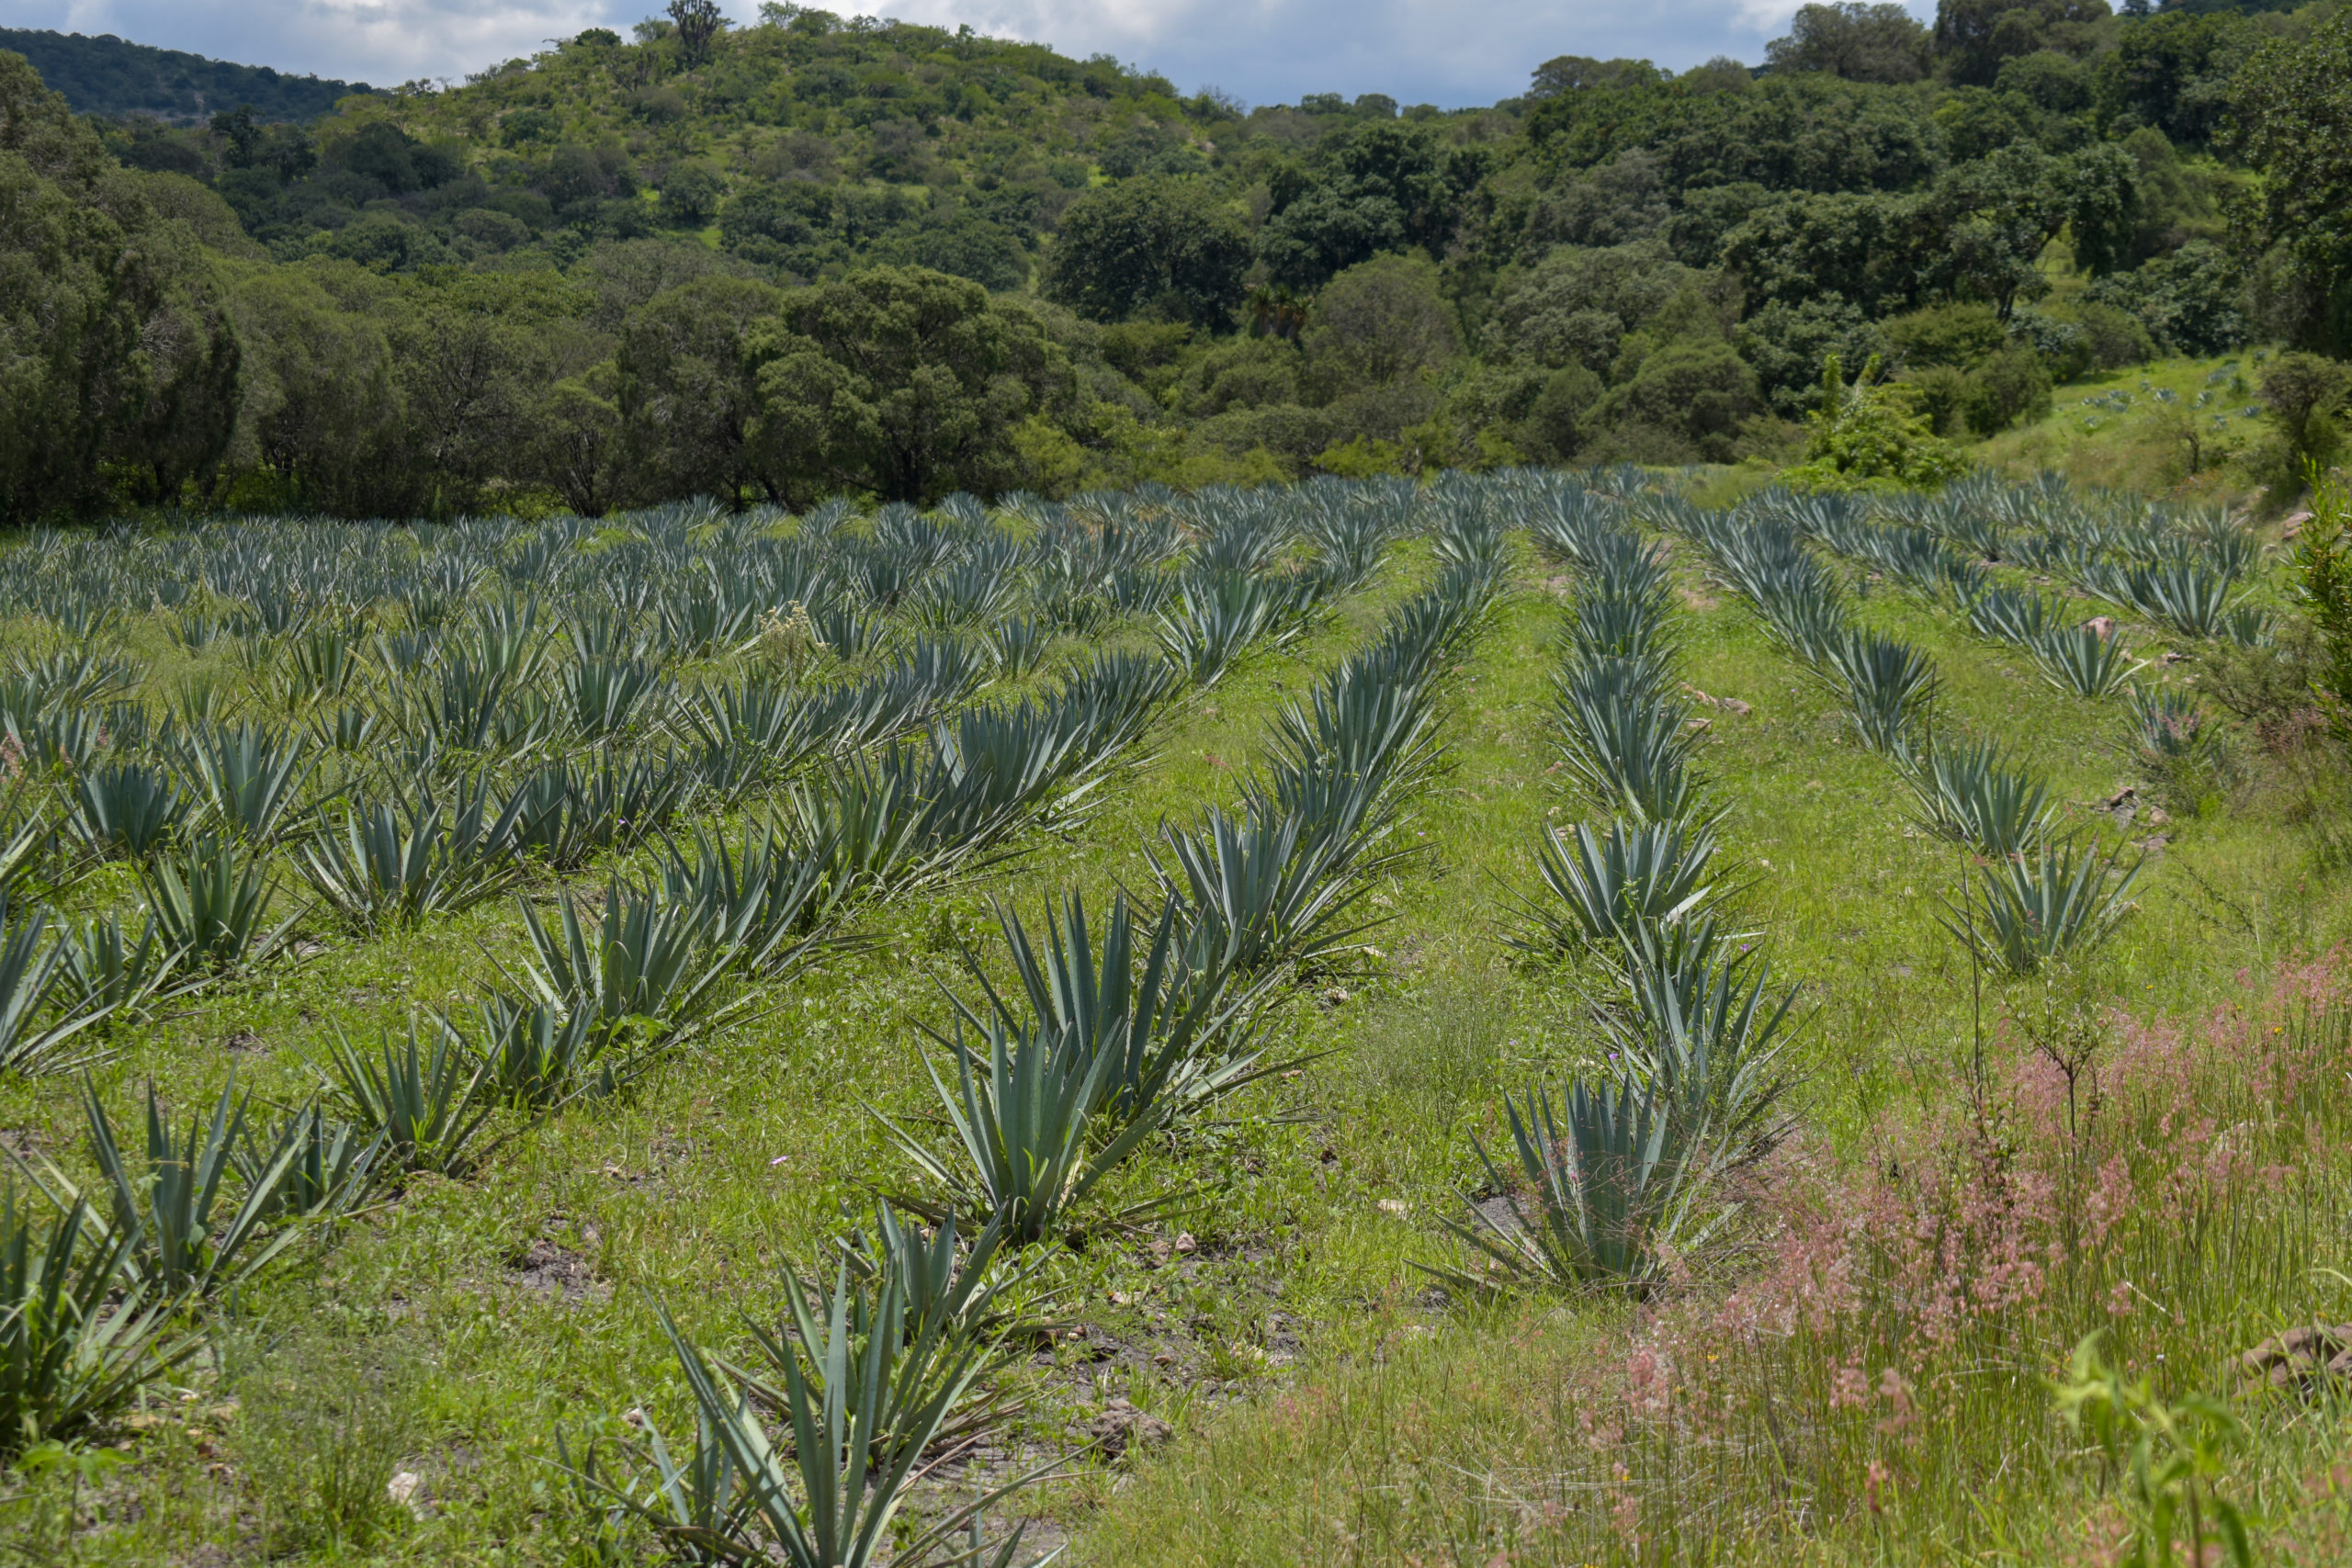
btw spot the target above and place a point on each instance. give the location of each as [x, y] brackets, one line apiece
[1364, 1424]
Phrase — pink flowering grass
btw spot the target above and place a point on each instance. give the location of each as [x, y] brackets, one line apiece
[1886, 1343]
[1869, 1379]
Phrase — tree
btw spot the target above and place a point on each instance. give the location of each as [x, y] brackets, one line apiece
[901, 382]
[698, 23]
[2173, 72]
[1376, 322]
[1870, 249]
[319, 422]
[2291, 111]
[1577, 73]
[1972, 37]
[1575, 306]
[1858, 42]
[686, 394]
[2300, 394]
[690, 196]
[1164, 248]
[1697, 392]
[1868, 435]
[118, 363]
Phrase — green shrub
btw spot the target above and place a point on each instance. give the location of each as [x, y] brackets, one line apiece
[1871, 433]
[1947, 334]
[2010, 387]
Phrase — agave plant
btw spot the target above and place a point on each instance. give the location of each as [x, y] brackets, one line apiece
[1889, 687]
[32, 967]
[536, 1056]
[773, 904]
[1616, 1190]
[320, 664]
[565, 817]
[74, 1347]
[2173, 738]
[1625, 740]
[1971, 795]
[2062, 900]
[1026, 1129]
[2007, 615]
[649, 957]
[864, 1400]
[1251, 895]
[348, 729]
[603, 698]
[187, 1237]
[1708, 1041]
[951, 1294]
[390, 866]
[58, 740]
[1636, 877]
[332, 1168]
[1217, 616]
[423, 1107]
[209, 902]
[758, 730]
[127, 808]
[251, 776]
[108, 974]
[1176, 1032]
[2079, 659]
[1018, 644]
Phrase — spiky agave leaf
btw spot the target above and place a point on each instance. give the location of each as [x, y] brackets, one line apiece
[2079, 659]
[2062, 900]
[1636, 875]
[425, 1106]
[74, 1347]
[1970, 794]
[210, 901]
[187, 1237]
[127, 808]
[1615, 1193]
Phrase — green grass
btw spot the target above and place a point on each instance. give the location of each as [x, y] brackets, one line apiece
[1328, 1405]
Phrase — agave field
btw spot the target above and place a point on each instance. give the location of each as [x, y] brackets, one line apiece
[1518, 1018]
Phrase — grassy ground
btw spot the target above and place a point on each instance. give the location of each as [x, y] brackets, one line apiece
[1326, 1403]
[2177, 425]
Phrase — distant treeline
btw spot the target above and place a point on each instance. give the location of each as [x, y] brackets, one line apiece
[111, 76]
[823, 253]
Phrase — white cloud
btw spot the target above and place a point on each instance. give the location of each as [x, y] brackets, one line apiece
[383, 42]
[1445, 51]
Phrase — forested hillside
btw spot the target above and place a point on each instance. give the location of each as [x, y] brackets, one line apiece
[818, 254]
[112, 77]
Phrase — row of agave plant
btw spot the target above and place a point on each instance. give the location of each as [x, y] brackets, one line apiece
[491, 776]
[2182, 567]
[1631, 1168]
[694, 576]
[1104, 1037]
[2194, 584]
[2030, 890]
[899, 794]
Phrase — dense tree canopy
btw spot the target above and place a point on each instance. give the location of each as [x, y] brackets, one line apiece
[777, 260]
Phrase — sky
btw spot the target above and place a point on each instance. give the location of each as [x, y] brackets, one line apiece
[1449, 53]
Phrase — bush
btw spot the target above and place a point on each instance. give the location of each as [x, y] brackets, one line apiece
[1938, 394]
[1870, 434]
[1947, 334]
[2302, 394]
[2011, 386]
[2193, 302]
[1376, 324]
[1696, 393]
[1786, 344]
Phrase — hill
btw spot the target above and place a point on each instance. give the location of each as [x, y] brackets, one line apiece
[1624, 263]
[113, 77]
